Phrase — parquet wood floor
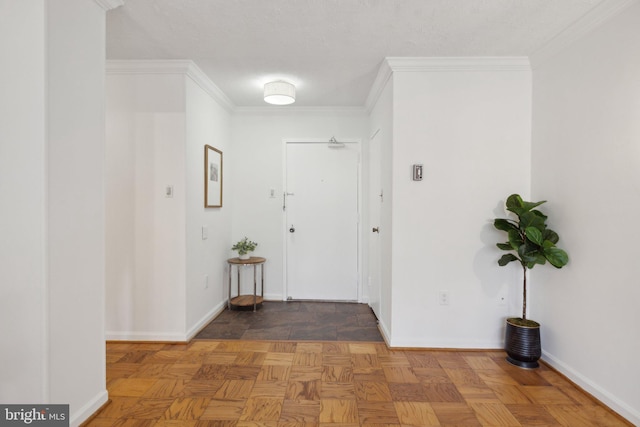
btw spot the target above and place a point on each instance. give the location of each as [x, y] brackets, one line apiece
[340, 384]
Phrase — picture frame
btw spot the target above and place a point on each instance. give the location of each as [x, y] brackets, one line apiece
[212, 177]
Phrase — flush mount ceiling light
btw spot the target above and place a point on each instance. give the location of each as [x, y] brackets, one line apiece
[279, 93]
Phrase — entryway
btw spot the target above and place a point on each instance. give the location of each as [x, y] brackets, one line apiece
[296, 320]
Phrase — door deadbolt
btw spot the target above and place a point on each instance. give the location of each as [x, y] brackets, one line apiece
[292, 229]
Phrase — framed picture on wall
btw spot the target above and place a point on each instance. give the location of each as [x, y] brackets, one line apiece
[212, 177]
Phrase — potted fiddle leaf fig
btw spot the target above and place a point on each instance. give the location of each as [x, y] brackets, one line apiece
[244, 248]
[529, 243]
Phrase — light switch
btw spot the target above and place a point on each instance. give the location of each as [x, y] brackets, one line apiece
[205, 232]
[168, 191]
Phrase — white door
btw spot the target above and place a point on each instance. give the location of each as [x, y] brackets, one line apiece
[375, 201]
[322, 221]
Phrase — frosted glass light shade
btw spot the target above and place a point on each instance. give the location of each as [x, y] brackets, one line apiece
[279, 93]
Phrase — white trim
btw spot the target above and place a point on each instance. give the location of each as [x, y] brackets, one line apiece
[601, 13]
[285, 278]
[426, 342]
[143, 66]
[471, 63]
[392, 65]
[202, 80]
[212, 314]
[80, 416]
[384, 331]
[284, 110]
[145, 336]
[384, 74]
[108, 5]
[613, 402]
[171, 66]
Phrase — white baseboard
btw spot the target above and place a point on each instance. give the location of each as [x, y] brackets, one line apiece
[426, 342]
[167, 336]
[145, 336]
[83, 414]
[212, 314]
[384, 331]
[613, 402]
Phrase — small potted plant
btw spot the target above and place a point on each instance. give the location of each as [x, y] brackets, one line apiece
[530, 242]
[244, 247]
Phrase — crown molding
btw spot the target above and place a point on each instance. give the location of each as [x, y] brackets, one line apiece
[107, 5]
[172, 66]
[202, 80]
[392, 65]
[600, 14]
[469, 63]
[384, 74]
[143, 66]
[287, 110]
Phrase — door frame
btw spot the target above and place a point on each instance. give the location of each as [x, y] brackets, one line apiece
[285, 229]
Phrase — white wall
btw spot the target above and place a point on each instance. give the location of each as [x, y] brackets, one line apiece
[76, 204]
[160, 115]
[586, 163]
[468, 122]
[53, 157]
[23, 194]
[145, 251]
[257, 167]
[207, 123]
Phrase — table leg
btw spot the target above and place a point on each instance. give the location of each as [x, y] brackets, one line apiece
[255, 298]
[229, 300]
[238, 269]
[262, 280]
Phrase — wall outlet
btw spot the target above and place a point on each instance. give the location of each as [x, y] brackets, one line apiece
[443, 297]
[206, 281]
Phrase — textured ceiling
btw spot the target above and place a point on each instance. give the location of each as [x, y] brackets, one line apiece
[331, 49]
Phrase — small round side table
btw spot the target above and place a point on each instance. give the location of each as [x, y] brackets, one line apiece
[244, 302]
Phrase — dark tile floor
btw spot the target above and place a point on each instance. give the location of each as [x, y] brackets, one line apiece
[296, 320]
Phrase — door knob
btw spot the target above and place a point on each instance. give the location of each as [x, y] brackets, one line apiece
[292, 229]
[375, 230]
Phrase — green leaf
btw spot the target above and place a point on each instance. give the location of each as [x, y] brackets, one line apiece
[540, 214]
[529, 219]
[515, 239]
[504, 246]
[506, 259]
[556, 256]
[518, 206]
[551, 236]
[530, 205]
[514, 201]
[534, 235]
[504, 224]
